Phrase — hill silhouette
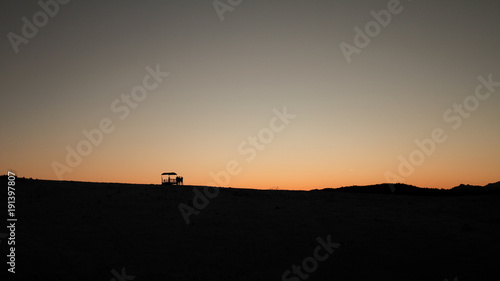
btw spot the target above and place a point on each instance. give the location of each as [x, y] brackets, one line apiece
[84, 231]
[399, 188]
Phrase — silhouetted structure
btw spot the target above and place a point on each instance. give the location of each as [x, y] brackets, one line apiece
[171, 180]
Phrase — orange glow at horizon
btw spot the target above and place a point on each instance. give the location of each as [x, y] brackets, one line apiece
[267, 103]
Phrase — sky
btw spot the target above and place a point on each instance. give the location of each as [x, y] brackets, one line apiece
[260, 94]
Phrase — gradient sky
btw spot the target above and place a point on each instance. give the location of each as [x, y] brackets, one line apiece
[353, 120]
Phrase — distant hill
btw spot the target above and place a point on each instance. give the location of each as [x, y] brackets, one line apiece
[399, 188]
[385, 188]
[467, 189]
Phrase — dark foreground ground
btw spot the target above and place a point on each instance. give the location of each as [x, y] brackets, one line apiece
[84, 231]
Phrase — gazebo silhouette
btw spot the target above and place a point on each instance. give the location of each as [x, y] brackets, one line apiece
[167, 180]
